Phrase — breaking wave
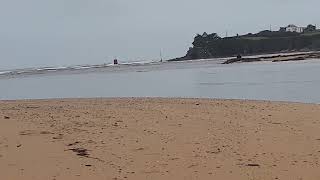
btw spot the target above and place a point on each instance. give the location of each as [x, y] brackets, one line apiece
[44, 70]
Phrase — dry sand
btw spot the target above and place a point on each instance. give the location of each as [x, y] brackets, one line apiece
[158, 139]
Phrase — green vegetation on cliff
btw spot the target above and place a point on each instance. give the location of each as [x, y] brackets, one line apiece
[211, 45]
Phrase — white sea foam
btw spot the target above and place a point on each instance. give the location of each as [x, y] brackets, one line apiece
[83, 67]
[5, 72]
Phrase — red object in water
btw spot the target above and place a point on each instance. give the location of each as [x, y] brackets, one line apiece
[115, 61]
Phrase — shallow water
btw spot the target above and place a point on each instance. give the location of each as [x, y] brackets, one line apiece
[285, 81]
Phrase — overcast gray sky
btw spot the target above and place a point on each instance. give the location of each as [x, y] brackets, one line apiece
[66, 32]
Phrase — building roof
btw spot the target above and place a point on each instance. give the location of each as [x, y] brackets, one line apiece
[292, 25]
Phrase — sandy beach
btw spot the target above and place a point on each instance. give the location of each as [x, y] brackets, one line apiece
[137, 139]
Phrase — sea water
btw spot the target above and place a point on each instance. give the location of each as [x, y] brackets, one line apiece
[283, 81]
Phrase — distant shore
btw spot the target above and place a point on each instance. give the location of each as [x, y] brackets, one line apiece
[156, 138]
[273, 57]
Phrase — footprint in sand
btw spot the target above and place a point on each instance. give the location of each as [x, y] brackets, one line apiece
[59, 136]
[33, 132]
[27, 132]
[45, 132]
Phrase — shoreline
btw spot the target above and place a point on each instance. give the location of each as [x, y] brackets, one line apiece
[295, 56]
[158, 138]
[140, 66]
[151, 98]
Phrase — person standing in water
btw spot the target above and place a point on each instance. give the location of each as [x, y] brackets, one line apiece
[115, 61]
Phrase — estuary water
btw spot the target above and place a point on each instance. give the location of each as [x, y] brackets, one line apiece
[283, 81]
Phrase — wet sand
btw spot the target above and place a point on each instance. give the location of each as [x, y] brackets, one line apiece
[180, 139]
[296, 56]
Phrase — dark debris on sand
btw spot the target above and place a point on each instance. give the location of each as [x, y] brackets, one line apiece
[253, 165]
[80, 152]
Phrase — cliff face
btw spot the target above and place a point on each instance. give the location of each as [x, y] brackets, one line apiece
[212, 46]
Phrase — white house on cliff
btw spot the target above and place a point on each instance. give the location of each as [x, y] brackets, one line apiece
[293, 28]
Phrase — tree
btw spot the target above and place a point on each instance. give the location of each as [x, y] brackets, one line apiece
[205, 34]
[214, 36]
[310, 28]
